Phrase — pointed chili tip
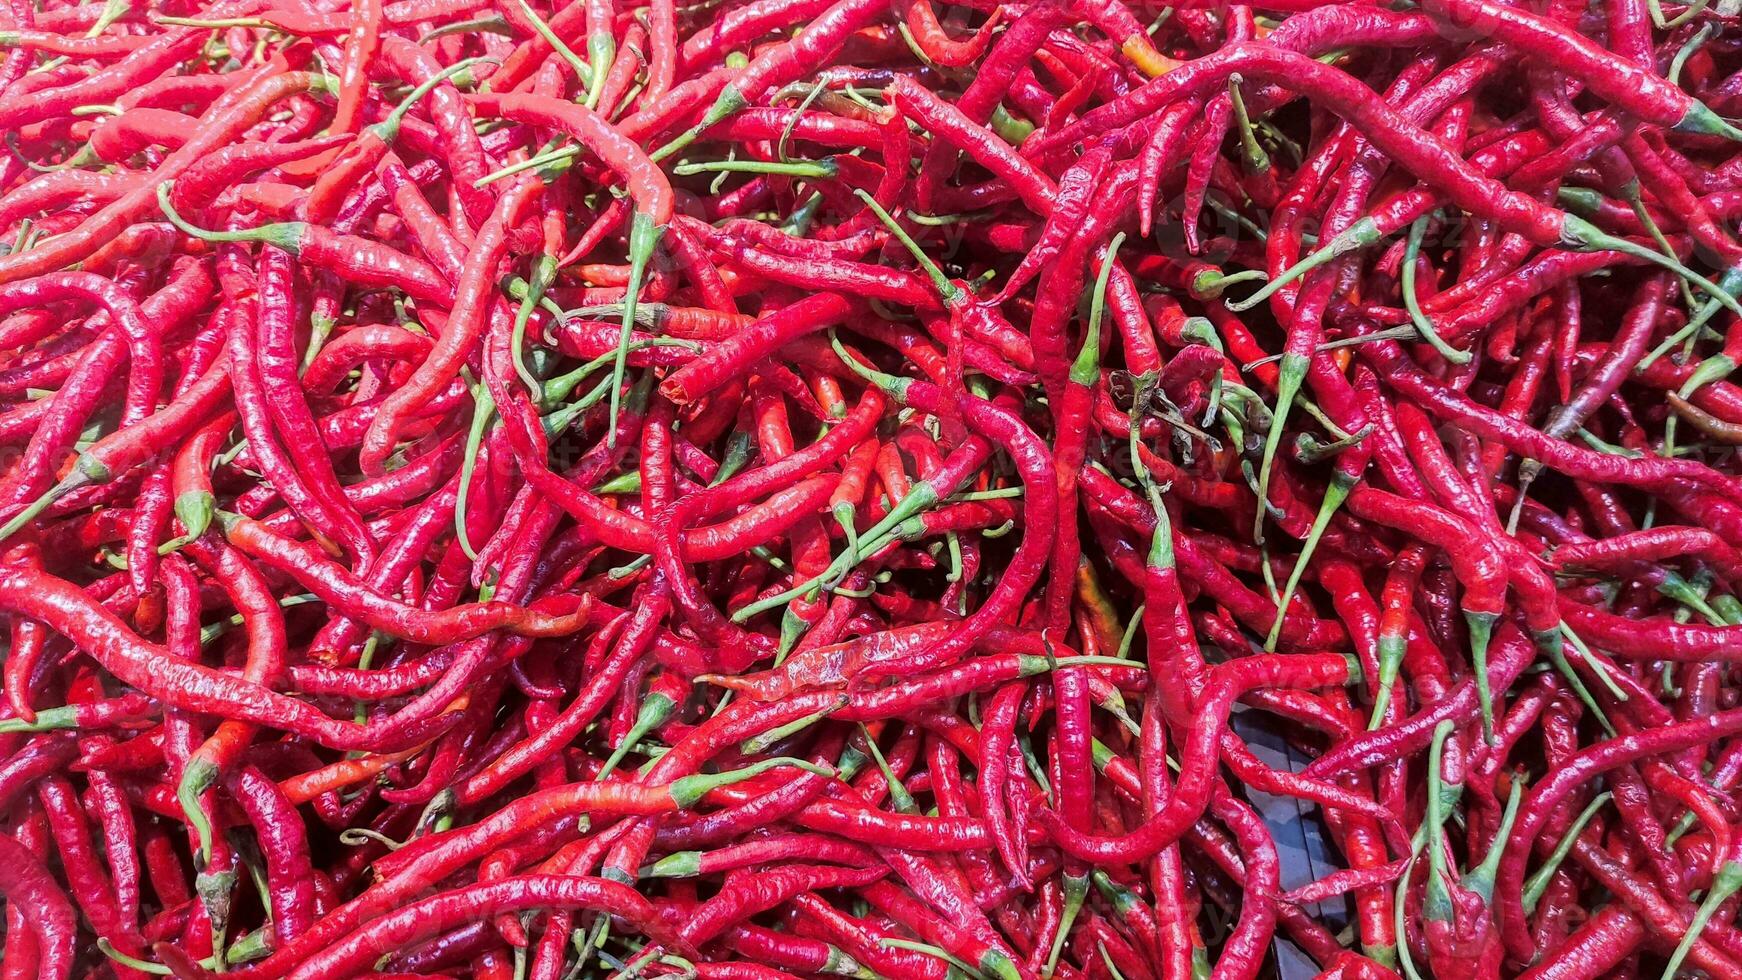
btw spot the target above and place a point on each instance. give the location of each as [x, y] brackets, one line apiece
[742, 683]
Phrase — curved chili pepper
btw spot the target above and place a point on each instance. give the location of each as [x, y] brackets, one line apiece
[29, 888]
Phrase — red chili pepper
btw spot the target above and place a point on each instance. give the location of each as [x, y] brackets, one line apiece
[29, 888]
[342, 172]
[538, 560]
[1191, 795]
[226, 119]
[743, 349]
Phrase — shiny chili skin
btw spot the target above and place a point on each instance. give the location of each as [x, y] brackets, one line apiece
[29, 888]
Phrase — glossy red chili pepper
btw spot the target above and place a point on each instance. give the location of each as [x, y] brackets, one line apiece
[547, 607]
[740, 352]
[50, 917]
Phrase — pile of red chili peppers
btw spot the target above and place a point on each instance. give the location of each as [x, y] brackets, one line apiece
[777, 488]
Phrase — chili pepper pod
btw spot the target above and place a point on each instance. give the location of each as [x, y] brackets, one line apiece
[646, 182]
[913, 532]
[341, 173]
[365, 261]
[665, 696]
[45, 907]
[778, 65]
[1455, 915]
[114, 456]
